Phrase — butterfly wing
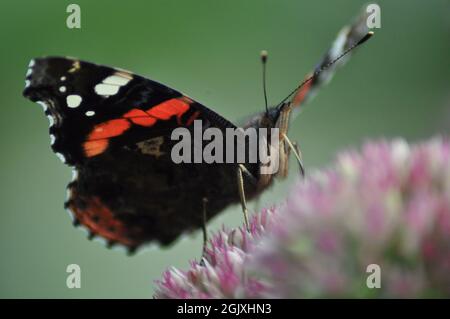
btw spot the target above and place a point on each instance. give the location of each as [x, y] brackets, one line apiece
[115, 128]
[91, 106]
[347, 38]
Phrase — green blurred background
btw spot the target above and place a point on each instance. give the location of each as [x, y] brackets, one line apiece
[396, 85]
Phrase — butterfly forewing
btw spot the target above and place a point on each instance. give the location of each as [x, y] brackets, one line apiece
[91, 106]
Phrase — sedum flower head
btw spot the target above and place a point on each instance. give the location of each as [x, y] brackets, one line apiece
[387, 205]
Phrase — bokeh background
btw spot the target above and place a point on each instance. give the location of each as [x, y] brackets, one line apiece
[397, 85]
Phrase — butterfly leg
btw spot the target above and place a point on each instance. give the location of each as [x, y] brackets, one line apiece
[240, 178]
[248, 174]
[204, 228]
[297, 153]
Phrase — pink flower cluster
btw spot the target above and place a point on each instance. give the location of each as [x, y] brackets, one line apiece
[388, 205]
[222, 273]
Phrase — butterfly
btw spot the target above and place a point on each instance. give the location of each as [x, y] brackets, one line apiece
[113, 127]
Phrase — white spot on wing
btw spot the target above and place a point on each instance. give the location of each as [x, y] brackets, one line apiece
[27, 83]
[31, 64]
[112, 83]
[29, 71]
[74, 175]
[51, 120]
[52, 139]
[338, 45]
[61, 157]
[73, 100]
[69, 189]
[43, 104]
[116, 80]
[106, 89]
[63, 78]
[90, 113]
[68, 193]
[62, 89]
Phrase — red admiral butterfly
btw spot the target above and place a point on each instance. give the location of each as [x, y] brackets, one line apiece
[113, 127]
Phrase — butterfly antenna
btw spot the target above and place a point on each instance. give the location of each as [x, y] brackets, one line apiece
[326, 66]
[264, 55]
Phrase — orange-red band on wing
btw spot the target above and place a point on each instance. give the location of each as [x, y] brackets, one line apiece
[144, 121]
[301, 94]
[109, 129]
[95, 147]
[192, 118]
[99, 219]
[140, 117]
[167, 109]
[98, 140]
[162, 111]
